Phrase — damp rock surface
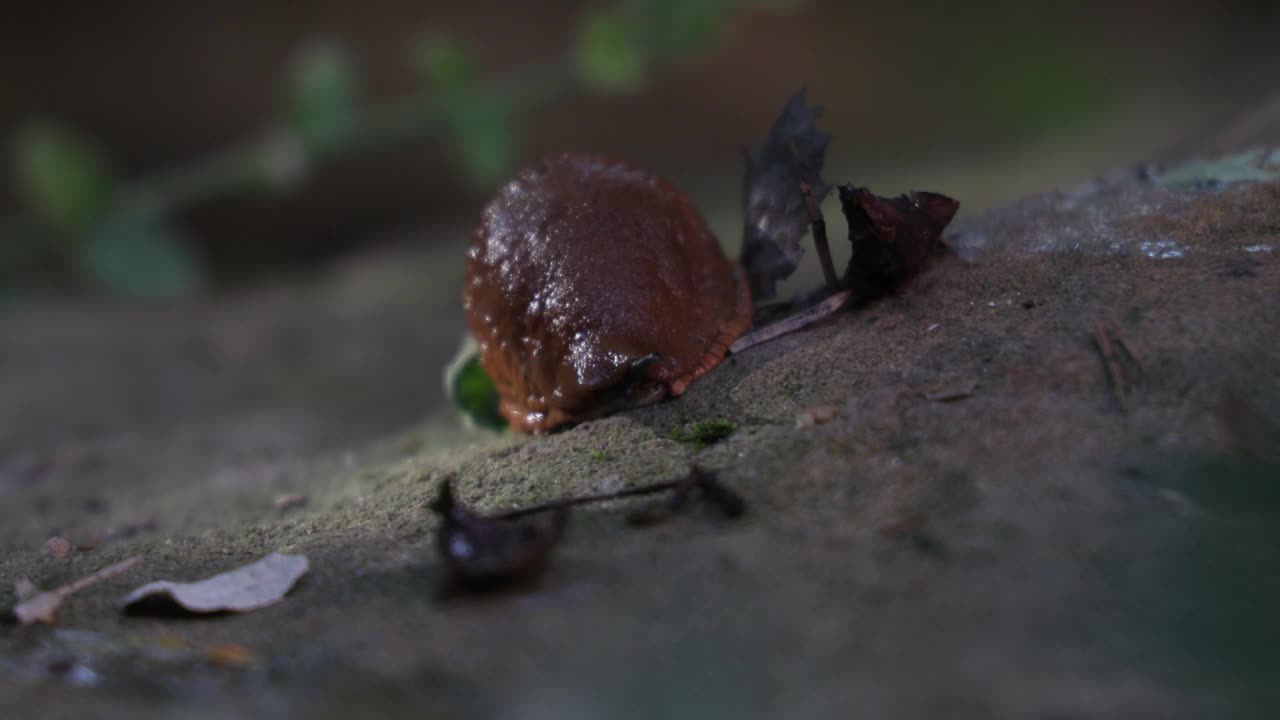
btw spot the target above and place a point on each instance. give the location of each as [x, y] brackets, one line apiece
[1070, 536]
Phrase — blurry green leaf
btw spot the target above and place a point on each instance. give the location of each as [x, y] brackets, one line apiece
[139, 254]
[1256, 165]
[447, 64]
[479, 121]
[470, 388]
[280, 162]
[608, 53]
[482, 128]
[1038, 75]
[681, 27]
[324, 95]
[60, 176]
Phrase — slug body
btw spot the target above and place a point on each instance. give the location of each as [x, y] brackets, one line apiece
[594, 285]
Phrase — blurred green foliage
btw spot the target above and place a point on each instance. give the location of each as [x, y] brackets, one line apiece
[61, 177]
[140, 254]
[478, 119]
[323, 96]
[121, 237]
[1254, 165]
[607, 53]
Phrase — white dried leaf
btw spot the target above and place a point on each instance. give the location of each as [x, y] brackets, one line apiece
[251, 587]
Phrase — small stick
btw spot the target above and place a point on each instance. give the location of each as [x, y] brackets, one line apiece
[1113, 368]
[820, 236]
[587, 499]
[800, 320]
[42, 606]
[1124, 345]
[105, 573]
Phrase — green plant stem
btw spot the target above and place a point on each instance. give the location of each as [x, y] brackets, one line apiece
[239, 169]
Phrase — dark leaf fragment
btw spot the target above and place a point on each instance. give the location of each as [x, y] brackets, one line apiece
[490, 552]
[893, 238]
[774, 212]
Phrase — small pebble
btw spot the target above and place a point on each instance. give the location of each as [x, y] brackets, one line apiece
[57, 547]
[285, 503]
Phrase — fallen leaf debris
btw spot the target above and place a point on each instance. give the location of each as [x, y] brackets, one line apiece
[775, 214]
[252, 587]
[489, 552]
[893, 239]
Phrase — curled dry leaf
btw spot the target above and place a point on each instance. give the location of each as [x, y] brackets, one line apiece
[488, 552]
[251, 587]
[775, 217]
[893, 238]
[35, 606]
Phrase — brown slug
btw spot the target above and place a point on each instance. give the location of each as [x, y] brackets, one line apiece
[593, 285]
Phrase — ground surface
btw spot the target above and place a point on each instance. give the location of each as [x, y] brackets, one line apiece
[1057, 543]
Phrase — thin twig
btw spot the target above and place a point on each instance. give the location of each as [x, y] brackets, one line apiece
[1137, 361]
[588, 499]
[43, 606]
[820, 236]
[800, 320]
[105, 573]
[1114, 372]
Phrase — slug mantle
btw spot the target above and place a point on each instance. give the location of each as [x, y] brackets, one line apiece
[593, 285]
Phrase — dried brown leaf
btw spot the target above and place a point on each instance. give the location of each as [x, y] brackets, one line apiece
[892, 238]
[488, 552]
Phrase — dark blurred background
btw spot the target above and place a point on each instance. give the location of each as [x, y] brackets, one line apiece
[159, 149]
